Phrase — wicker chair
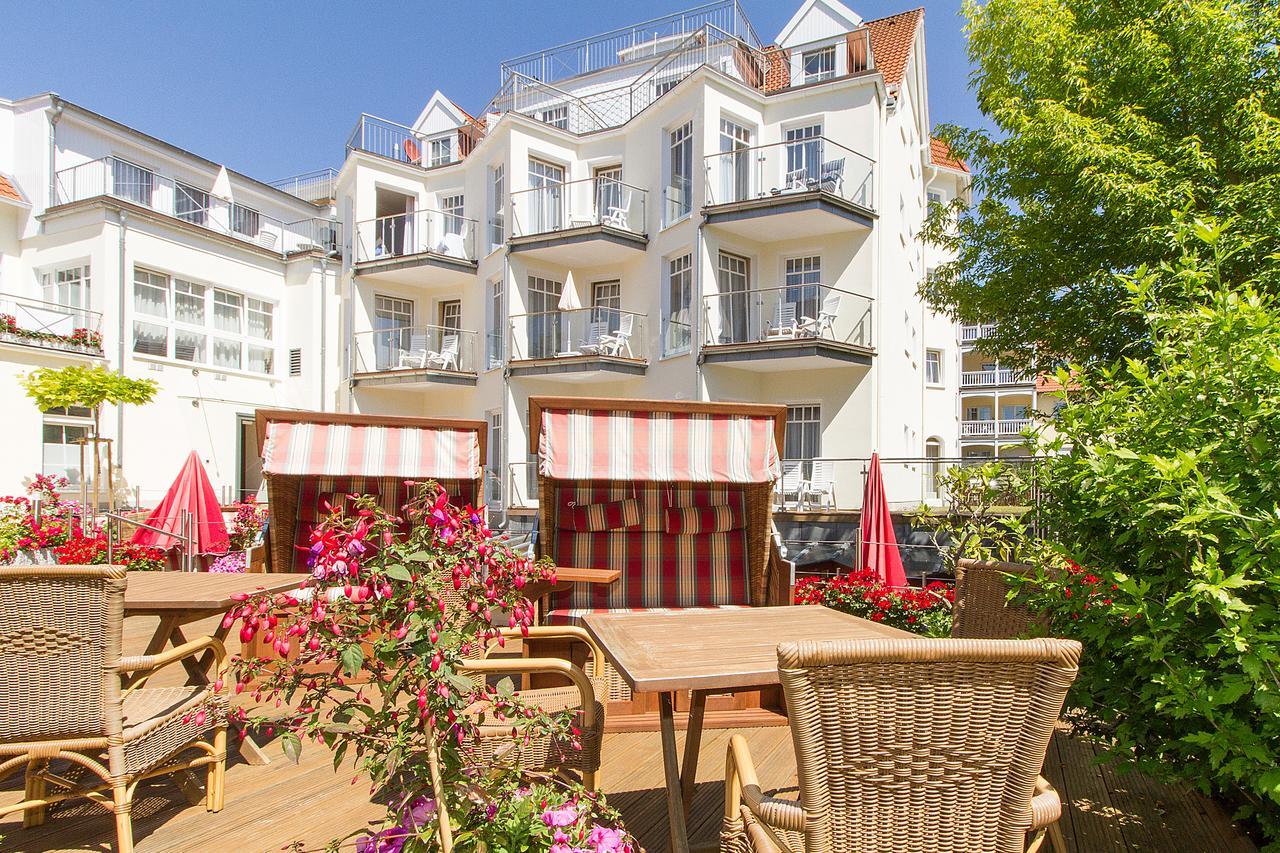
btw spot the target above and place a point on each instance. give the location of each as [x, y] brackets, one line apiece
[982, 608]
[67, 693]
[909, 745]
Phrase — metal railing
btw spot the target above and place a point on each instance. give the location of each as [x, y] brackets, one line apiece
[629, 44]
[575, 204]
[116, 178]
[973, 333]
[399, 142]
[824, 59]
[415, 348]
[597, 331]
[427, 230]
[839, 483]
[320, 185]
[792, 312]
[48, 324]
[998, 376]
[815, 164]
[324, 235]
[521, 485]
[1003, 427]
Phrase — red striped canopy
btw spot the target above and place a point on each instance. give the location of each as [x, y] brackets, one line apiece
[352, 450]
[689, 447]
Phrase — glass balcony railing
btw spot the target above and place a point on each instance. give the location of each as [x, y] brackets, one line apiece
[416, 348]
[434, 231]
[577, 204]
[813, 164]
[793, 312]
[604, 332]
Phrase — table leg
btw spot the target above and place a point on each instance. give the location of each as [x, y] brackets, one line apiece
[160, 639]
[692, 742]
[675, 798]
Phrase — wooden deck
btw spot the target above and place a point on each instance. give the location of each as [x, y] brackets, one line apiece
[271, 808]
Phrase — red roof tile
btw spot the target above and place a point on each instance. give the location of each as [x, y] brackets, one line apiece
[891, 42]
[940, 155]
[9, 190]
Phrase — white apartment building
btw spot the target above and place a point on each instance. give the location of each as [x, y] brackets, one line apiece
[676, 209]
[999, 403]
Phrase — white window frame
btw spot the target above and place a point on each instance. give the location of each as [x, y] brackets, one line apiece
[452, 210]
[805, 414]
[678, 139]
[932, 357]
[74, 417]
[680, 264]
[495, 323]
[441, 149]
[556, 115]
[497, 225]
[822, 53]
[59, 285]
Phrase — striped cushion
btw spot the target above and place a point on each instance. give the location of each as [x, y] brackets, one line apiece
[607, 516]
[704, 519]
[572, 616]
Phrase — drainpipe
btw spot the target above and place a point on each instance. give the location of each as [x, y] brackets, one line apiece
[324, 323]
[695, 326]
[54, 115]
[122, 218]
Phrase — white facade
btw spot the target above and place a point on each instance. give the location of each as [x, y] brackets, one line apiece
[683, 213]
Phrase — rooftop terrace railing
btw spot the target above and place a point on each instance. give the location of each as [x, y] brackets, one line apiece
[401, 143]
[316, 186]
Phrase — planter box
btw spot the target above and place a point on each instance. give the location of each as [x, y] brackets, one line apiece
[38, 557]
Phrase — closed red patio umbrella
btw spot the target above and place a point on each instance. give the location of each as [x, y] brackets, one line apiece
[193, 492]
[879, 545]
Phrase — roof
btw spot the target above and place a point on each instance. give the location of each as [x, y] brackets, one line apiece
[9, 190]
[891, 41]
[940, 154]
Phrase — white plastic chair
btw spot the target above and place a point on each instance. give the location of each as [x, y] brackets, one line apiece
[447, 357]
[790, 483]
[596, 332]
[614, 344]
[615, 215]
[795, 180]
[452, 245]
[417, 354]
[820, 487]
[784, 322]
[831, 178]
[826, 319]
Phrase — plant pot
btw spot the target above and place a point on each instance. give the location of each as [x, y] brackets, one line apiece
[34, 557]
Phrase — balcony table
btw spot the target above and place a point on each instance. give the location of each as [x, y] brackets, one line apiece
[710, 651]
[180, 598]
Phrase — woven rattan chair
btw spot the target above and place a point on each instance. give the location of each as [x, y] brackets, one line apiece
[911, 745]
[63, 697]
[982, 609]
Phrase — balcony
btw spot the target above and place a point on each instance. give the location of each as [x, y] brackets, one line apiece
[581, 345]
[50, 326]
[992, 378]
[110, 177]
[588, 222]
[786, 190]
[797, 327]
[972, 334]
[426, 247]
[318, 187]
[1003, 428]
[403, 144]
[415, 357]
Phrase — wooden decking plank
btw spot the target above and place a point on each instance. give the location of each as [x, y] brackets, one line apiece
[1094, 819]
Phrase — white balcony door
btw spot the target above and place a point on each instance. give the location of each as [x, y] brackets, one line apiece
[546, 205]
[606, 304]
[804, 152]
[544, 317]
[607, 183]
[803, 280]
[735, 305]
[393, 325]
[803, 439]
[735, 161]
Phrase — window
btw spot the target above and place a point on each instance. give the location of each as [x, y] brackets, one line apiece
[493, 467]
[804, 286]
[441, 150]
[497, 221]
[933, 467]
[933, 366]
[190, 204]
[393, 329]
[245, 220]
[131, 182]
[546, 196]
[978, 413]
[606, 303]
[819, 64]
[557, 116]
[63, 427]
[189, 345]
[188, 302]
[734, 280]
[734, 162]
[611, 207]
[259, 316]
[449, 314]
[451, 206]
[1014, 412]
[662, 85]
[543, 322]
[151, 299]
[803, 439]
[494, 324]
[936, 199]
[679, 190]
[678, 299]
[804, 156]
[67, 287]
[227, 309]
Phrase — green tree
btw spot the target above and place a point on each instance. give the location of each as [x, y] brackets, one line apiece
[1108, 117]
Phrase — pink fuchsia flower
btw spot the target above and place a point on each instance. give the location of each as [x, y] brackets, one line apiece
[564, 816]
[606, 840]
[420, 812]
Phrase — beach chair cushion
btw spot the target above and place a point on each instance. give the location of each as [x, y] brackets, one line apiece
[572, 616]
[704, 519]
[603, 516]
[659, 569]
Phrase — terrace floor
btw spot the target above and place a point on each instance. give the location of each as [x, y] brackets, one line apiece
[273, 807]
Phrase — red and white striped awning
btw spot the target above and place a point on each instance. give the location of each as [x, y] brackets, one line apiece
[339, 450]
[694, 447]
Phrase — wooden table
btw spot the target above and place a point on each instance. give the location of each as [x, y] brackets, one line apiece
[180, 598]
[709, 651]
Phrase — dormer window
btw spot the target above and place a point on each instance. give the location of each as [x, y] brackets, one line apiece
[819, 64]
[441, 150]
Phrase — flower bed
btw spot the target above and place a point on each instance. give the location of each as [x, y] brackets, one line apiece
[21, 530]
[861, 593]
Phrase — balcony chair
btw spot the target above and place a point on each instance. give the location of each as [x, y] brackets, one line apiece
[452, 245]
[790, 482]
[831, 178]
[593, 342]
[267, 239]
[615, 215]
[63, 698]
[417, 353]
[796, 180]
[909, 744]
[825, 321]
[616, 343]
[447, 357]
[820, 486]
[784, 326]
[982, 608]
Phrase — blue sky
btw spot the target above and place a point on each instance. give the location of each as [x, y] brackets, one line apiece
[273, 88]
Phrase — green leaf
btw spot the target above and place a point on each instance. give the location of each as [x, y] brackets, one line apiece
[292, 746]
[352, 658]
[397, 572]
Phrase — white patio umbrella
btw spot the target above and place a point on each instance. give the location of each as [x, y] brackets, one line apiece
[568, 302]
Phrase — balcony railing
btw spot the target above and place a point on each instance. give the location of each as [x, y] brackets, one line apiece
[35, 322]
[974, 333]
[316, 186]
[815, 164]
[602, 332]
[1004, 427]
[999, 376]
[416, 348]
[111, 176]
[793, 312]
[398, 142]
[575, 204]
[427, 230]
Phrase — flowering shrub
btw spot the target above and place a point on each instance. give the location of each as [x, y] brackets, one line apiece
[249, 520]
[8, 323]
[86, 338]
[91, 550]
[861, 593]
[20, 530]
[79, 337]
[419, 595]
[230, 563]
